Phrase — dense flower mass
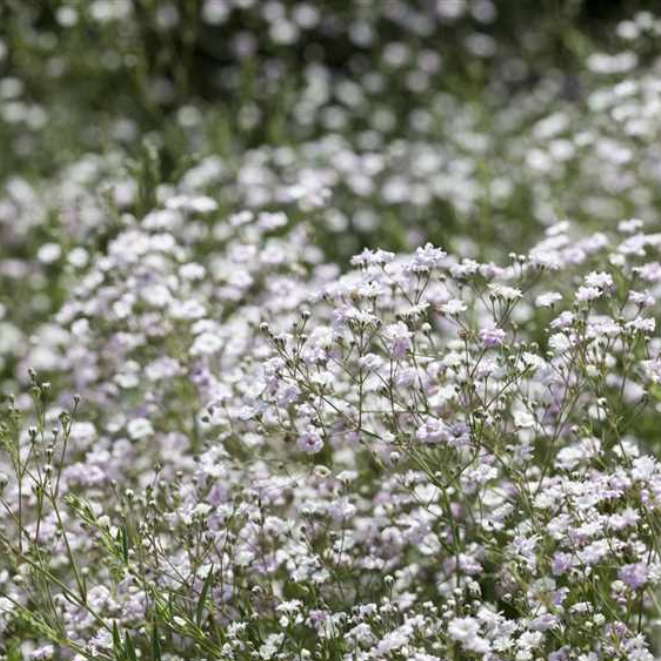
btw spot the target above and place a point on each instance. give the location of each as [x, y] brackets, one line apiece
[330, 334]
[414, 459]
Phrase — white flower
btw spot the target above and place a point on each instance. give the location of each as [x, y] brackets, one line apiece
[139, 428]
[587, 294]
[505, 292]
[432, 431]
[463, 629]
[524, 420]
[205, 344]
[310, 442]
[426, 258]
[548, 299]
[269, 649]
[49, 253]
[372, 257]
[600, 280]
[453, 307]
[6, 606]
[158, 296]
[45, 652]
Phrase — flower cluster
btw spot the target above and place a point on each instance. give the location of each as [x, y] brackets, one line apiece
[426, 456]
[251, 410]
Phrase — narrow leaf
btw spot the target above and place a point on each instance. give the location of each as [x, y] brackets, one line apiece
[117, 642]
[156, 644]
[199, 612]
[130, 648]
[125, 543]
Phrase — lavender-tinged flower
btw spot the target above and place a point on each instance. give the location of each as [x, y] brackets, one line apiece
[492, 337]
[588, 294]
[399, 336]
[634, 575]
[432, 431]
[310, 442]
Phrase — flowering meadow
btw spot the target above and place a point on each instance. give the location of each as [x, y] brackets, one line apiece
[328, 330]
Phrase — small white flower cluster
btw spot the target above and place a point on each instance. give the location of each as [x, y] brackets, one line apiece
[412, 460]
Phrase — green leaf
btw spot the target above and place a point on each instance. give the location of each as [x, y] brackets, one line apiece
[124, 539]
[117, 642]
[130, 648]
[156, 644]
[199, 611]
[655, 391]
[15, 654]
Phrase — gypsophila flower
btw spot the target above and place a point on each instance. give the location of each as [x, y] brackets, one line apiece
[399, 336]
[224, 436]
[139, 428]
[634, 575]
[548, 300]
[465, 630]
[453, 307]
[504, 292]
[310, 442]
[587, 294]
[492, 337]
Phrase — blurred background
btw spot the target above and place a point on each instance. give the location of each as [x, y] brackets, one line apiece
[465, 78]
